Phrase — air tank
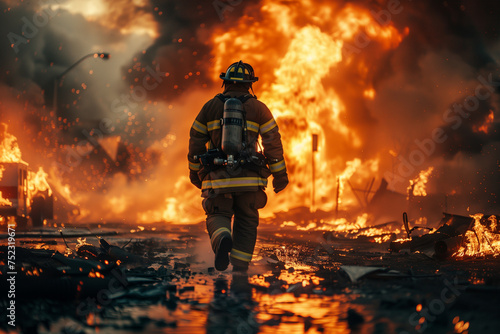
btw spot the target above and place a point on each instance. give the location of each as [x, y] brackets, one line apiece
[232, 127]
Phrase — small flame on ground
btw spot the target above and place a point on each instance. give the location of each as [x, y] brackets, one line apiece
[483, 239]
[352, 229]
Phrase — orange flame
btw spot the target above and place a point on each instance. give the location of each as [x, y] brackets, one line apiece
[299, 49]
[4, 201]
[11, 153]
[302, 52]
[9, 149]
[38, 182]
[417, 186]
[486, 125]
[357, 227]
[482, 239]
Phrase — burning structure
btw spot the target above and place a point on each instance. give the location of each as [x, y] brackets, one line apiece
[23, 194]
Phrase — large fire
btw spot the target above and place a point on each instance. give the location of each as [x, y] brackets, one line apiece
[317, 63]
[297, 85]
[302, 51]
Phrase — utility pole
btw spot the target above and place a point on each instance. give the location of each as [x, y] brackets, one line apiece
[314, 149]
[337, 199]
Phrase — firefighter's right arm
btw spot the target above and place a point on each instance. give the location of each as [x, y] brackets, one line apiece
[198, 137]
[273, 148]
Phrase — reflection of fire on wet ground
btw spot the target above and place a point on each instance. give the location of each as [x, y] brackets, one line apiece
[293, 286]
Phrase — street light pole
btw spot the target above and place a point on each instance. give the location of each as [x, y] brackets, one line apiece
[59, 79]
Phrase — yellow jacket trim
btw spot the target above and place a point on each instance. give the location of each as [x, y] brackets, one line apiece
[201, 128]
[219, 231]
[268, 126]
[277, 167]
[253, 126]
[194, 166]
[213, 125]
[235, 182]
[237, 254]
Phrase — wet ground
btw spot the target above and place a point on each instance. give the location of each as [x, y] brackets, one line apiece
[298, 283]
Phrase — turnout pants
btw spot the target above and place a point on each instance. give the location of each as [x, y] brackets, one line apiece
[244, 207]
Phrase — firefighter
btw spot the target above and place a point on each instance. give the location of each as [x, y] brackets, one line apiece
[233, 182]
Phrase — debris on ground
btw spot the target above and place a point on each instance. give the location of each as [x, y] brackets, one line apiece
[447, 239]
[126, 283]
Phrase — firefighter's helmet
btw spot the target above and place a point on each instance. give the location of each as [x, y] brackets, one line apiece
[239, 72]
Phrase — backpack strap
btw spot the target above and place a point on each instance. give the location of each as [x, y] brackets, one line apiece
[242, 98]
[245, 98]
[222, 97]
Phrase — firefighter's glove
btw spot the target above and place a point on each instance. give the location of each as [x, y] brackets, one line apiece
[195, 179]
[280, 182]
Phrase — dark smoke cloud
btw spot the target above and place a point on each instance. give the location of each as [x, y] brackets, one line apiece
[465, 134]
[28, 71]
[451, 44]
[462, 27]
[51, 40]
[469, 30]
[182, 50]
[464, 31]
[183, 47]
[52, 48]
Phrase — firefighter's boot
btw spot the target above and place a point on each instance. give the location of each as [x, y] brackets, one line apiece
[222, 253]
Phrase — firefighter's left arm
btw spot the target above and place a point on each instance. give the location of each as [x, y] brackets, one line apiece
[273, 150]
[271, 140]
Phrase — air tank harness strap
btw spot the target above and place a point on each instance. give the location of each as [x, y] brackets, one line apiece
[242, 98]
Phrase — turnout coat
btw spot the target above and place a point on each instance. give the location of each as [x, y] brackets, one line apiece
[206, 133]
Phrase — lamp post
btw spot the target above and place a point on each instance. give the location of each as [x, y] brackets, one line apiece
[59, 79]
